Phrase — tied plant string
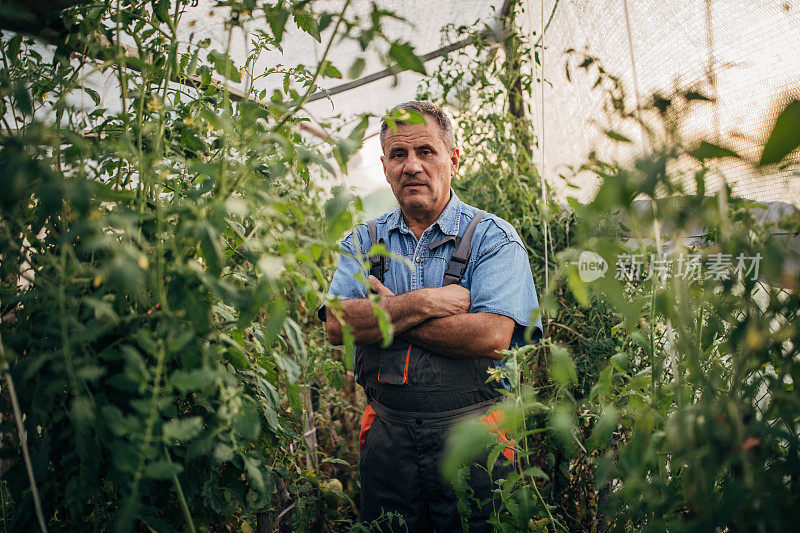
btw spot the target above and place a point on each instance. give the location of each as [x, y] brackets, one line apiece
[540, 42]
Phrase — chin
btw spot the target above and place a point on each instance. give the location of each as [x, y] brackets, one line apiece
[415, 202]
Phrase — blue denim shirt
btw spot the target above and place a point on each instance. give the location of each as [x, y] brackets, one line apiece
[498, 274]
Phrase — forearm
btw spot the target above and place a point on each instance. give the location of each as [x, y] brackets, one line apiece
[405, 311]
[466, 336]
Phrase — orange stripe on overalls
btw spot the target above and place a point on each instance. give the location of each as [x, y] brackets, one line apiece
[366, 423]
[493, 421]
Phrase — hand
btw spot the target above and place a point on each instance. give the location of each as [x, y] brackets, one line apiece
[379, 287]
[448, 300]
[441, 301]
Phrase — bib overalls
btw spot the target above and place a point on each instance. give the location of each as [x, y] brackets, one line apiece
[415, 396]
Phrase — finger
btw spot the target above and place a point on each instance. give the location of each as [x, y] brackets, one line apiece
[379, 287]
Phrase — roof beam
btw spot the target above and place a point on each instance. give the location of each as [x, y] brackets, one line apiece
[394, 69]
[385, 73]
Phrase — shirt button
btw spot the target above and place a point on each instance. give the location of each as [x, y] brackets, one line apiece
[417, 259]
[419, 421]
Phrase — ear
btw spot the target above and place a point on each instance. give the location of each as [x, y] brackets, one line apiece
[454, 158]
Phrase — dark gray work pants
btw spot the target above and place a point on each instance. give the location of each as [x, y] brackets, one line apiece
[400, 473]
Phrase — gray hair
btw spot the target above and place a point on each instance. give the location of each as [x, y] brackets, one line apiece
[431, 110]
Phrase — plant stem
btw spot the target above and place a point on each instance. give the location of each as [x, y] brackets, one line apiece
[181, 497]
[64, 327]
[23, 439]
[226, 106]
[5, 503]
[321, 63]
[151, 421]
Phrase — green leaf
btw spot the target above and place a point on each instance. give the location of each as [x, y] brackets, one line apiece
[604, 427]
[403, 54]
[254, 474]
[497, 449]
[385, 325]
[562, 367]
[288, 365]
[192, 68]
[162, 470]
[277, 18]
[357, 68]
[404, 116]
[620, 361]
[337, 214]
[336, 461]
[535, 471]
[161, 9]
[467, 441]
[617, 136]
[223, 452]
[247, 422]
[324, 21]
[182, 428]
[91, 372]
[295, 337]
[604, 384]
[191, 380]
[308, 24]
[272, 418]
[224, 66]
[330, 71]
[13, 47]
[694, 95]
[562, 422]
[146, 341]
[294, 394]
[22, 99]
[93, 95]
[103, 311]
[785, 136]
[235, 354]
[210, 248]
[191, 141]
[179, 342]
[118, 423]
[708, 150]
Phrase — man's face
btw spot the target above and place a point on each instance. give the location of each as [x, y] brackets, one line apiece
[419, 166]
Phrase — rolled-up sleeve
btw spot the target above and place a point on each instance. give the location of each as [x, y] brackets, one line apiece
[345, 285]
[502, 283]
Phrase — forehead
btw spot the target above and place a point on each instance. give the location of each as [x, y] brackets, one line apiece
[414, 135]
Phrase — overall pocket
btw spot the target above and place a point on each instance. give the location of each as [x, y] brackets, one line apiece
[393, 364]
[426, 367]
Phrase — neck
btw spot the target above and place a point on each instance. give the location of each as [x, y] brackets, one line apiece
[418, 221]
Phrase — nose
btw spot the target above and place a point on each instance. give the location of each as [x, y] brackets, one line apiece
[412, 164]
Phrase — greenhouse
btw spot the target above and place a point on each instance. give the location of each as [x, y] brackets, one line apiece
[349, 265]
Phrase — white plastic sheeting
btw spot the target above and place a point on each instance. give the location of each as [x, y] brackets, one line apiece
[750, 48]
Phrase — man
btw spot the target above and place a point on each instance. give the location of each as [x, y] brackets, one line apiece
[468, 294]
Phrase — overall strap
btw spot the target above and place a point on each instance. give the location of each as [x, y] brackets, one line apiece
[458, 262]
[377, 263]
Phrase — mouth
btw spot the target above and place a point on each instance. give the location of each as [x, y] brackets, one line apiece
[413, 184]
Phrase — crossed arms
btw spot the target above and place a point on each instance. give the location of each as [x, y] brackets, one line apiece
[436, 319]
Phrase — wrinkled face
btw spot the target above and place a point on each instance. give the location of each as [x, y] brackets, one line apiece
[419, 167]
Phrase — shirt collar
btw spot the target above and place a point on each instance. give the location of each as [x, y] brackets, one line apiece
[448, 220]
